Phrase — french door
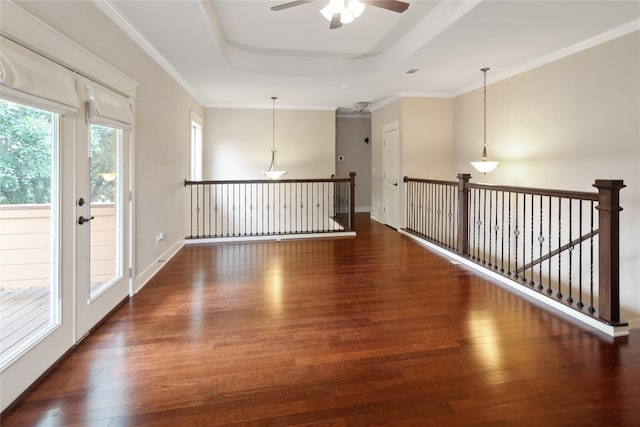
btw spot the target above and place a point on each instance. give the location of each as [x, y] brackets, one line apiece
[65, 245]
[102, 213]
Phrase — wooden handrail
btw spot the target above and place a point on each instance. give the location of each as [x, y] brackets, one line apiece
[266, 181]
[580, 195]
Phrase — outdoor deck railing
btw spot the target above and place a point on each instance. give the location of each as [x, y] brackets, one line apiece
[250, 208]
[564, 244]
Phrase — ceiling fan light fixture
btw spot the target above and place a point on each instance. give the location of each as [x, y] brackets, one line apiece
[346, 16]
[356, 7]
[334, 6]
[348, 10]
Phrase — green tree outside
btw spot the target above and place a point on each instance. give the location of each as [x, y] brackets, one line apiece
[26, 141]
[26, 157]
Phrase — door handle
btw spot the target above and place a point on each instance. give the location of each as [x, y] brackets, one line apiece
[82, 220]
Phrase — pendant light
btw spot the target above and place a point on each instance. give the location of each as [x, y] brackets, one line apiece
[273, 171]
[485, 166]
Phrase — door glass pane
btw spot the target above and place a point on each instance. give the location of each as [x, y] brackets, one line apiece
[28, 227]
[106, 206]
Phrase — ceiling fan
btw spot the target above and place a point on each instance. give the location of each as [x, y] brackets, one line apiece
[339, 12]
[361, 107]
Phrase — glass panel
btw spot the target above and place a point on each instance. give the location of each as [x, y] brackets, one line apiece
[106, 206]
[28, 226]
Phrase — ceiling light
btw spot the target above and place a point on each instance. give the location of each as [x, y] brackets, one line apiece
[485, 166]
[273, 171]
[348, 10]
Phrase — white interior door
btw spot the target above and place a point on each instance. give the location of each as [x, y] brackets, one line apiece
[392, 180]
[102, 221]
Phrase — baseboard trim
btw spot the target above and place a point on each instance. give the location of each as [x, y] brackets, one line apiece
[143, 278]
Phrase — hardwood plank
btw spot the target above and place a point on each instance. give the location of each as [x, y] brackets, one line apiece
[374, 330]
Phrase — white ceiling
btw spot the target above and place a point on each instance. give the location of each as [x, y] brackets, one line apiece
[240, 53]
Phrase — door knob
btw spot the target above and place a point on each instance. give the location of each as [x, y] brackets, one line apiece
[82, 220]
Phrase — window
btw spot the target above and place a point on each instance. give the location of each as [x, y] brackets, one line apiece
[196, 148]
[106, 204]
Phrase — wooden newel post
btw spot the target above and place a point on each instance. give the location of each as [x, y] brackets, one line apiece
[352, 201]
[609, 249]
[463, 214]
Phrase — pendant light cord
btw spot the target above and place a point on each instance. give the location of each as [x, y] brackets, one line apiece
[484, 141]
[273, 124]
[485, 107]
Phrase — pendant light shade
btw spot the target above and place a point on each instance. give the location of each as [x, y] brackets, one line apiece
[484, 165]
[273, 172]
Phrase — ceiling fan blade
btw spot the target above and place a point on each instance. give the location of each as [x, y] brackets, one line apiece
[393, 5]
[290, 4]
[335, 22]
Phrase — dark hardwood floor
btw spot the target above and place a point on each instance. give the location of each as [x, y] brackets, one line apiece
[375, 330]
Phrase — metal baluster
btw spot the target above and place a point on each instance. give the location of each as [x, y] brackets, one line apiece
[449, 218]
[550, 290]
[580, 302]
[532, 243]
[541, 241]
[203, 209]
[509, 235]
[423, 209]
[524, 237]
[496, 227]
[490, 222]
[559, 295]
[484, 226]
[502, 233]
[210, 204]
[412, 219]
[233, 209]
[191, 212]
[516, 233]
[472, 249]
[262, 209]
[550, 236]
[591, 308]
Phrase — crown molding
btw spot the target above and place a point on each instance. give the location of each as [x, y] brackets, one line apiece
[114, 14]
[270, 106]
[400, 95]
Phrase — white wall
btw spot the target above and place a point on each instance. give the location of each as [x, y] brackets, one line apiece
[237, 143]
[564, 125]
[356, 156]
[427, 138]
[161, 130]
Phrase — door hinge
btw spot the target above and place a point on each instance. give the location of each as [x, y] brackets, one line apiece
[130, 272]
[130, 195]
